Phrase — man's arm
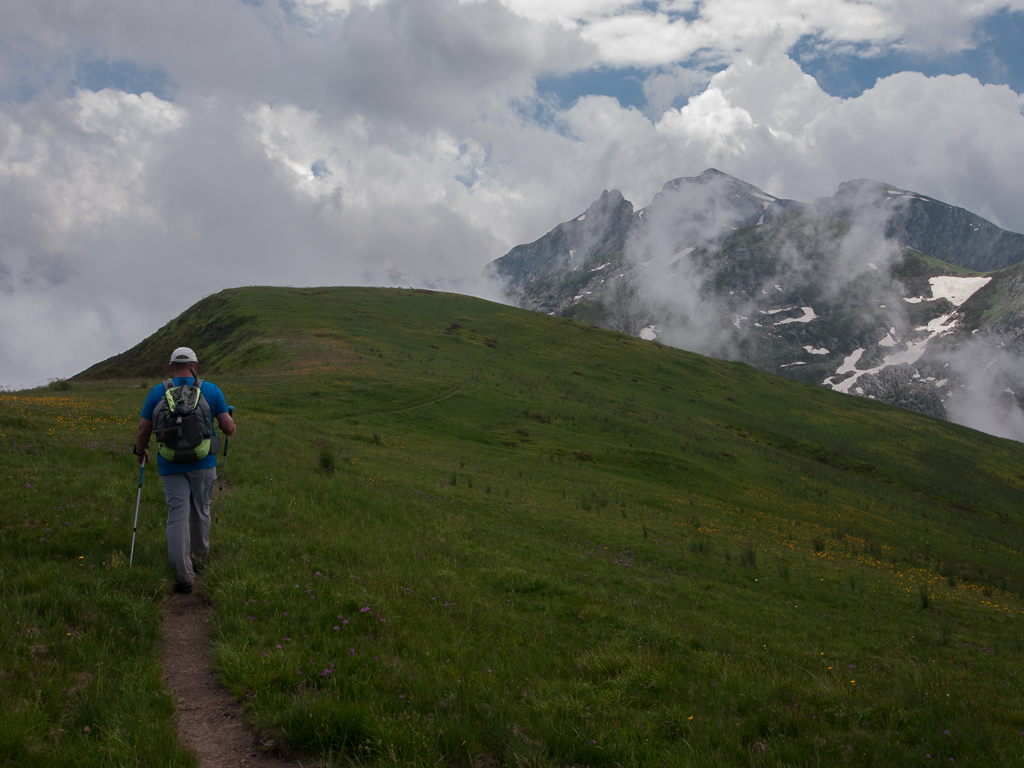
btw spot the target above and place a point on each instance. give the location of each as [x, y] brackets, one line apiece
[226, 423]
[142, 436]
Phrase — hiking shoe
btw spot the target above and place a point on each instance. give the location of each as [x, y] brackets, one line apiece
[183, 589]
[199, 563]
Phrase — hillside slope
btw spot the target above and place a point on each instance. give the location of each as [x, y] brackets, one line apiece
[458, 532]
[228, 330]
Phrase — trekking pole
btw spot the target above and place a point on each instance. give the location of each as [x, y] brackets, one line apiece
[223, 469]
[138, 499]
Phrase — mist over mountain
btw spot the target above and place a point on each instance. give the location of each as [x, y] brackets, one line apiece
[876, 291]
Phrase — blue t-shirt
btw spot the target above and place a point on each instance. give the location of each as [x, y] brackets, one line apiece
[215, 399]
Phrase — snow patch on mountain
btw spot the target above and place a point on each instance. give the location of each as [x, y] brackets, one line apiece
[910, 353]
[806, 318]
[850, 361]
[957, 289]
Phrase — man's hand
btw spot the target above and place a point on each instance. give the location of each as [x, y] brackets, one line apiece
[142, 435]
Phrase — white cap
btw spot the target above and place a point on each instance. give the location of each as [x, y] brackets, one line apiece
[183, 355]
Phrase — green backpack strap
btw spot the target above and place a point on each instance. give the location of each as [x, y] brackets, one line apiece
[168, 396]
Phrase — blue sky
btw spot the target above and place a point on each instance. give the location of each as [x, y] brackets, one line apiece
[124, 75]
[625, 84]
[997, 58]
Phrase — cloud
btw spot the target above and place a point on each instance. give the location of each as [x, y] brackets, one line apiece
[990, 378]
[74, 171]
[670, 31]
[86, 157]
[427, 61]
[472, 57]
[664, 87]
[567, 12]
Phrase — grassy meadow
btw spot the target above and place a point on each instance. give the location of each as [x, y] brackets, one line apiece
[459, 533]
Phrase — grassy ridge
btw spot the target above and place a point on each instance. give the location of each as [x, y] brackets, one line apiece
[458, 531]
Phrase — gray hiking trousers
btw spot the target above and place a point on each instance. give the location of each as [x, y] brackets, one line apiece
[188, 497]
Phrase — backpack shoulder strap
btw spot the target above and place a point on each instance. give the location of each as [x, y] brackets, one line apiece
[168, 399]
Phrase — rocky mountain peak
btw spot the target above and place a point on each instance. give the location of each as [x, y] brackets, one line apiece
[602, 228]
[607, 201]
[923, 223]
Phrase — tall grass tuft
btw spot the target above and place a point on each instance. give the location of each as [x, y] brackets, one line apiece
[325, 456]
[944, 632]
[748, 557]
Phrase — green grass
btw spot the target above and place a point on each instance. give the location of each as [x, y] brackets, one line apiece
[568, 547]
[78, 673]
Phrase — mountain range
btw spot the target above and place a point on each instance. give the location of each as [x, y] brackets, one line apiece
[876, 291]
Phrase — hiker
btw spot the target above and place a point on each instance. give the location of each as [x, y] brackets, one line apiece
[187, 443]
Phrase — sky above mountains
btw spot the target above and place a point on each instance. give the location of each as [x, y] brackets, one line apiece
[153, 153]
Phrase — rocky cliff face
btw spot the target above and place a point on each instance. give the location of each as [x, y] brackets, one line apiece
[842, 292]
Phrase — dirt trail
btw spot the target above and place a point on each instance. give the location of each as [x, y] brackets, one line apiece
[210, 720]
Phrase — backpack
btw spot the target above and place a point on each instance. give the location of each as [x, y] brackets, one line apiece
[183, 424]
